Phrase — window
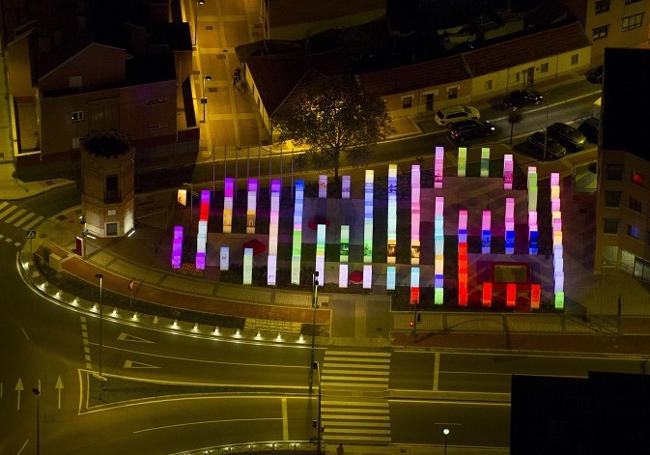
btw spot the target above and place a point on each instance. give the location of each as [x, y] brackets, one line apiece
[614, 172]
[631, 22]
[641, 269]
[452, 93]
[635, 205]
[77, 116]
[428, 101]
[612, 198]
[633, 231]
[111, 229]
[602, 6]
[75, 143]
[629, 2]
[75, 82]
[636, 178]
[574, 59]
[407, 102]
[543, 68]
[610, 226]
[599, 32]
[488, 84]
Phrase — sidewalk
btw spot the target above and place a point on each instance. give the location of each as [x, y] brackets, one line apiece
[12, 188]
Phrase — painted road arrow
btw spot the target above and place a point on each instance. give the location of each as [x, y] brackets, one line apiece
[127, 337]
[59, 387]
[19, 388]
[134, 364]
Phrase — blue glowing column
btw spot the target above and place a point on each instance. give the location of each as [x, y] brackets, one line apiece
[321, 229]
[228, 192]
[391, 254]
[345, 187]
[486, 232]
[415, 233]
[202, 236]
[558, 260]
[296, 248]
[273, 232]
[532, 233]
[508, 165]
[367, 228]
[248, 266]
[177, 247]
[510, 226]
[251, 209]
[415, 286]
[439, 248]
[322, 187]
[485, 161]
[344, 256]
[438, 167]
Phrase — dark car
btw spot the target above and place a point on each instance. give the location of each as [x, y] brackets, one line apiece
[470, 129]
[522, 98]
[590, 129]
[595, 75]
[567, 135]
[554, 150]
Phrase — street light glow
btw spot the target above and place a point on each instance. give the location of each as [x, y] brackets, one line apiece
[446, 431]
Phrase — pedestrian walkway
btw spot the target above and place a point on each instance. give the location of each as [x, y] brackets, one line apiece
[355, 370]
[19, 217]
[357, 422]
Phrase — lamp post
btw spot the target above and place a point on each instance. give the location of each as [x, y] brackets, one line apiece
[100, 277]
[196, 18]
[191, 202]
[315, 366]
[37, 394]
[204, 99]
[314, 306]
[445, 432]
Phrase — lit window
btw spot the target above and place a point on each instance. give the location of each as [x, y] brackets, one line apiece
[631, 22]
[635, 205]
[574, 59]
[599, 32]
[602, 6]
[407, 102]
[77, 116]
[633, 231]
[452, 92]
[610, 226]
[636, 178]
[543, 68]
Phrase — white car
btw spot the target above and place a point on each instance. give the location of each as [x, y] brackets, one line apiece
[452, 114]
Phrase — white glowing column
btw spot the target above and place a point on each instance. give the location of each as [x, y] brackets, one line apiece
[509, 236]
[273, 232]
[320, 253]
[438, 167]
[415, 286]
[248, 266]
[531, 181]
[462, 161]
[367, 228]
[439, 248]
[462, 258]
[177, 247]
[322, 187]
[224, 258]
[486, 232]
[507, 172]
[251, 209]
[485, 162]
[415, 214]
[558, 260]
[533, 233]
[344, 256]
[202, 235]
[345, 187]
[229, 191]
[296, 248]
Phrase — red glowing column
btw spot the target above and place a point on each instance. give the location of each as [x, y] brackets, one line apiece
[535, 296]
[487, 294]
[462, 258]
[511, 294]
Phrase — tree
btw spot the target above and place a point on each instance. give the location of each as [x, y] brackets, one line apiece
[514, 117]
[332, 115]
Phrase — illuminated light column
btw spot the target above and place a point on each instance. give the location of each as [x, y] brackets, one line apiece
[367, 228]
[531, 183]
[391, 251]
[202, 235]
[322, 187]
[507, 172]
[558, 260]
[485, 161]
[486, 232]
[344, 256]
[224, 258]
[486, 299]
[462, 161]
[511, 295]
[438, 168]
[535, 296]
[462, 258]
[391, 277]
[415, 214]
[251, 209]
[273, 232]
[345, 187]
[228, 192]
[439, 248]
[320, 253]
[248, 266]
[510, 226]
[533, 233]
[296, 248]
[415, 286]
[177, 247]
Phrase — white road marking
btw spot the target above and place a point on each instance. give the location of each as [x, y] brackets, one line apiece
[15, 215]
[59, 387]
[22, 221]
[23, 447]
[33, 223]
[128, 337]
[25, 333]
[19, 388]
[2, 390]
[285, 420]
[9, 240]
[134, 364]
[17, 244]
[436, 371]
[3, 205]
[205, 422]
[7, 212]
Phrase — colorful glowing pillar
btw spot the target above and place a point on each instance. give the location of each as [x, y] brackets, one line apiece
[392, 214]
[462, 258]
[320, 253]
[532, 233]
[248, 266]
[202, 235]
[345, 187]
[228, 193]
[273, 232]
[224, 258]
[391, 277]
[485, 161]
[535, 296]
[296, 248]
[507, 171]
[367, 228]
[486, 299]
[415, 286]
[177, 247]
[415, 214]
[486, 232]
[558, 261]
[439, 248]
[322, 187]
[511, 295]
[438, 167]
[531, 183]
[251, 209]
[510, 226]
[462, 161]
[344, 256]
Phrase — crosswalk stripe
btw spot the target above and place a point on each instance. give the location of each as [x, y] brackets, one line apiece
[15, 215]
[360, 353]
[358, 366]
[358, 438]
[23, 219]
[3, 205]
[359, 424]
[354, 379]
[34, 223]
[357, 373]
[351, 417]
[369, 404]
[355, 359]
[7, 212]
[356, 431]
[363, 411]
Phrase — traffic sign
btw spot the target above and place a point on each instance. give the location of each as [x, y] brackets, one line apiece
[30, 234]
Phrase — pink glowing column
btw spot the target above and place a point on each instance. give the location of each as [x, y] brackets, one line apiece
[273, 232]
[462, 258]
[510, 226]
[177, 247]
[438, 167]
[486, 232]
[507, 172]
[252, 206]
[415, 234]
[202, 236]
[558, 260]
[228, 193]
[439, 250]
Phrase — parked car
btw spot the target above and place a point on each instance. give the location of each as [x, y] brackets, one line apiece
[470, 129]
[521, 98]
[554, 150]
[595, 75]
[590, 129]
[454, 114]
[567, 135]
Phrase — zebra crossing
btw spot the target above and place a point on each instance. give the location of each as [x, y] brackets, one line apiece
[19, 217]
[358, 420]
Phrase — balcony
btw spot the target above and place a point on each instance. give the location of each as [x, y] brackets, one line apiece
[112, 197]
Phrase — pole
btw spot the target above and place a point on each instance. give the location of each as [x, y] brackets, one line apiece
[314, 305]
[445, 444]
[415, 319]
[319, 429]
[37, 394]
[196, 21]
[259, 165]
[100, 277]
[214, 188]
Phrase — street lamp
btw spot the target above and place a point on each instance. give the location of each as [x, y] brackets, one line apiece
[196, 19]
[37, 394]
[191, 202]
[204, 99]
[100, 277]
[445, 432]
[314, 306]
[315, 366]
